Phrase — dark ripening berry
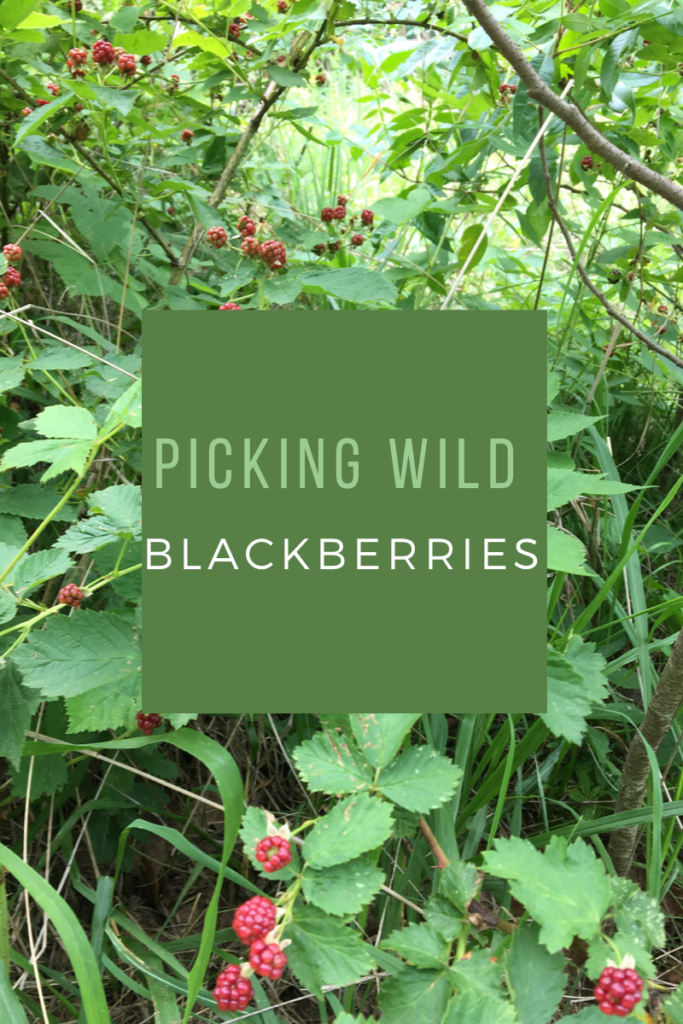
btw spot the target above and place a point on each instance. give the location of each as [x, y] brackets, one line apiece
[334, 246]
[618, 990]
[232, 991]
[327, 214]
[78, 56]
[281, 60]
[71, 595]
[146, 60]
[148, 723]
[342, 200]
[320, 79]
[367, 217]
[254, 919]
[186, 135]
[251, 247]
[320, 249]
[230, 305]
[217, 237]
[171, 211]
[273, 852]
[4, 292]
[661, 330]
[282, 6]
[274, 255]
[507, 88]
[103, 52]
[11, 278]
[234, 30]
[12, 253]
[246, 226]
[268, 960]
[660, 309]
[340, 212]
[357, 239]
[127, 64]
[76, 5]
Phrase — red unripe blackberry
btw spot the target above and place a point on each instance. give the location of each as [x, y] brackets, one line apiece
[334, 246]
[230, 305]
[71, 595]
[54, 89]
[148, 723]
[662, 329]
[254, 919]
[234, 30]
[340, 212]
[42, 103]
[506, 87]
[4, 291]
[618, 990]
[12, 253]
[26, 111]
[147, 59]
[282, 6]
[267, 959]
[342, 200]
[274, 255]
[127, 64]
[660, 309]
[281, 59]
[77, 70]
[78, 107]
[320, 248]
[367, 217]
[103, 52]
[320, 79]
[186, 135]
[217, 237]
[273, 852]
[11, 277]
[246, 226]
[171, 211]
[357, 239]
[232, 991]
[327, 214]
[78, 55]
[587, 164]
[251, 247]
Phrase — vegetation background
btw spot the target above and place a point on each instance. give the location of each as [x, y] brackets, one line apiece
[122, 857]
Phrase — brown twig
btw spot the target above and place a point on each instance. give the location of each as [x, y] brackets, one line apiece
[442, 860]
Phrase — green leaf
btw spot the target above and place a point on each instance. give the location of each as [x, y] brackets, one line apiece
[478, 972]
[470, 239]
[674, 1006]
[207, 43]
[324, 951]
[11, 372]
[478, 1007]
[421, 945]
[285, 77]
[575, 681]
[38, 568]
[13, 12]
[59, 357]
[254, 827]
[565, 424]
[420, 779]
[115, 514]
[76, 653]
[440, 913]
[122, 100]
[30, 124]
[565, 485]
[328, 765]
[413, 995]
[129, 406]
[355, 284]
[61, 453]
[343, 889]
[10, 1000]
[8, 605]
[358, 824]
[398, 211]
[75, 941]
[591, 667]
[565, 888]
[380, 736]
[535, 976]
[553, 386]
[565, 553]
[35, 502]
[17, 705]
[459, 883]
[42, 153]
[142, 42]
[112, 705]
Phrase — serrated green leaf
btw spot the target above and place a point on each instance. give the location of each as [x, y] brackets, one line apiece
[421, 945]
[208, 43]
[59, 357]
[478, 971]
[358, 824]
[38, 568]
[283, 76]
[420, 779]
[35, 502]
[328, 765]
[67, 422]
[565, 553]
[536, 977]
[568, 700]
[343, 889]
[142, 42]
[76, 653]
[565, 424]
[441, 915]
[113, 705]
[8, 606]
[414, 995]
[60, 452]
[470, 239]
[565, 888]
[324, 951]
[477, 1007]
[355, 284]
[31, 123]
[459, 883]
[11, 372]
[380, 736]
[566, 485]
[17, 705]
[674, 1006]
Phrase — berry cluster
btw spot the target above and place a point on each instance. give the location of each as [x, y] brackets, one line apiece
[76, 6]
[587, 164]
[234, 30]
[273, 254]
[253, 922]
[254, 919]
[217, 237]
[618, 990]
[127, 64]
[329, 214]
[186, 135]
[274, 852]
[71, 595]
[320, 79]
[77, 63]
[4, 292]
[103, 52]
[54, 89]
[267, 959]
[230, 305]
[507, 89]
[232, 992]
[148, 723]
[12, 253]
[282, 6]
[11, 278]
[246, 226]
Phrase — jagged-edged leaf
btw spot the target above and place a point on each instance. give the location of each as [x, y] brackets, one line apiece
[459, 883]
[344, 888]
[324, 950]
[420, 779]
[565, 553]
[421, 945]
[380, 736]
[17, 705]
[355, 284]
[61, 453]
[564, 424]
[35, 502]
[414, 995]
[328, 764]
[536, 977]
[356, 825]
[38, 568]
[478, 1007]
